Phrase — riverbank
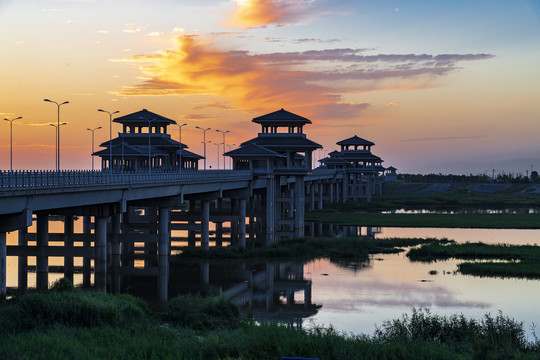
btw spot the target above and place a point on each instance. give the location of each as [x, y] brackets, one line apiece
[70, 324]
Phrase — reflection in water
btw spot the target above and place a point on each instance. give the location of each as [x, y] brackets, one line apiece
[352, 297]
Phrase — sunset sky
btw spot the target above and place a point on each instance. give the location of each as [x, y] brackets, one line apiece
[428, 82]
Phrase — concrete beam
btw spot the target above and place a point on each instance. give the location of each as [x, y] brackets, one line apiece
[12, 222]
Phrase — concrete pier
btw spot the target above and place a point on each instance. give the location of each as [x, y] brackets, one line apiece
[42, 261]
[3, 261]
[100, 262]
[163, 253]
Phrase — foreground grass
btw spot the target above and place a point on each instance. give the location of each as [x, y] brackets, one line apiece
[308, 248]
[227, 336]
[491, 221]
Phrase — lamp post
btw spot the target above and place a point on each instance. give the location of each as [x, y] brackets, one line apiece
[204, 142]
[217, 144]
[56, 139]
[180, 145]
[57, 131]
[92, 130]
[110, 134]
[11, 141]
[223, 132]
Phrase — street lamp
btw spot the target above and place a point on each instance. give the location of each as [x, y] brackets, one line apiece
[92, 130]
[180, 145]
[11, 141]
[217, 144]
[223, 132]
[57, 131]
[110, 134]
[204, 142]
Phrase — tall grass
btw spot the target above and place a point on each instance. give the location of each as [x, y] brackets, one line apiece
[421, 335]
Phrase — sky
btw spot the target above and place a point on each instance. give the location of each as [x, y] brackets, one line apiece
[429, 82]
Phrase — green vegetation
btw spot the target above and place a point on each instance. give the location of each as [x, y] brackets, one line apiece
[492, 221]
[310, 248]
[449, 249]
[140, 334]
[520, 261]
[512, 269]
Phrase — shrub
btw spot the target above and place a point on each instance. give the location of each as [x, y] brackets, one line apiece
[203, 313]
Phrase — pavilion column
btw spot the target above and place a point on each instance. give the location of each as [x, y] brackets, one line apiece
[3, 261]
[23, 261]
[331, 188]
[115, 253]
[355, 187]
[100, 262]
[205, 220]
[242, 224]
[299, 204]
[42, 261]
[68, 246]
[163, 253]
[368, 188]
[311, 196]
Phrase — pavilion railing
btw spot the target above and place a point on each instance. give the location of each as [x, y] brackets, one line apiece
[27, 180]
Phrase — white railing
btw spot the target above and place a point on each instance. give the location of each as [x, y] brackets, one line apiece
[28, 180]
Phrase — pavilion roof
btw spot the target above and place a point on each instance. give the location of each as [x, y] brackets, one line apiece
[286, 142]
[161, 140]
[281, 118]
[357, 156]
[252, 150]
[142, 117]
[129, 150]
[190, 155]
[355, 140]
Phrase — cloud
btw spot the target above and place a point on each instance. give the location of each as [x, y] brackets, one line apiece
[391, 104]
[214, 105]
[153, 33]
[258, 13]
[132, 29]
[312, 82]
[446, 138]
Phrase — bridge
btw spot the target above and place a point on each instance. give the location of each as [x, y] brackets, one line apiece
[262, 200]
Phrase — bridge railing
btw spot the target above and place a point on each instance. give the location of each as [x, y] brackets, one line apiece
[25, 180]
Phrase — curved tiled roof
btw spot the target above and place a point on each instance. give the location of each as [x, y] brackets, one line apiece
[142, 117]
[276, 142]
[252, 150]
[355, 140]
[281, 117]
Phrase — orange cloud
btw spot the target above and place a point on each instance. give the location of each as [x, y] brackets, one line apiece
[311, 82]
[255, 13]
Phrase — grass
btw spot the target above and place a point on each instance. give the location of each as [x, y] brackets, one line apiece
[516, 261]
[421, 335]
[491, 221]
[310, 248]
[441, 251]
[512, 269]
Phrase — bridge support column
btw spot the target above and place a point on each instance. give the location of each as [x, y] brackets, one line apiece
[299, 200]
[345, 188]
[270, 210]
[355, 187]
[191, 232]
[115, 253]
[311, 196]
[205, 220]
[42, 261]
[321, 191]
[68, 246]
[163, 253]
[87, 246]
[242, 224]
[205, 273]
[3, 260]
[23, 261]
[100, 262]
[331, 188]
[234, 224]
[368, 189]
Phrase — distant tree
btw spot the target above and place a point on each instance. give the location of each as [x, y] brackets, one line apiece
[534, 176]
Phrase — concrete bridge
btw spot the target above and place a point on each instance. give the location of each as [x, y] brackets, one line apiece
[262, 200]
[121, 209]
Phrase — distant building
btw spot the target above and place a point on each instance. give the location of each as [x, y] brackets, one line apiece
[390, 174]
[145, 145]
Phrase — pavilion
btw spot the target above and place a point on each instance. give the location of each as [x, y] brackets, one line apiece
[144, 145]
